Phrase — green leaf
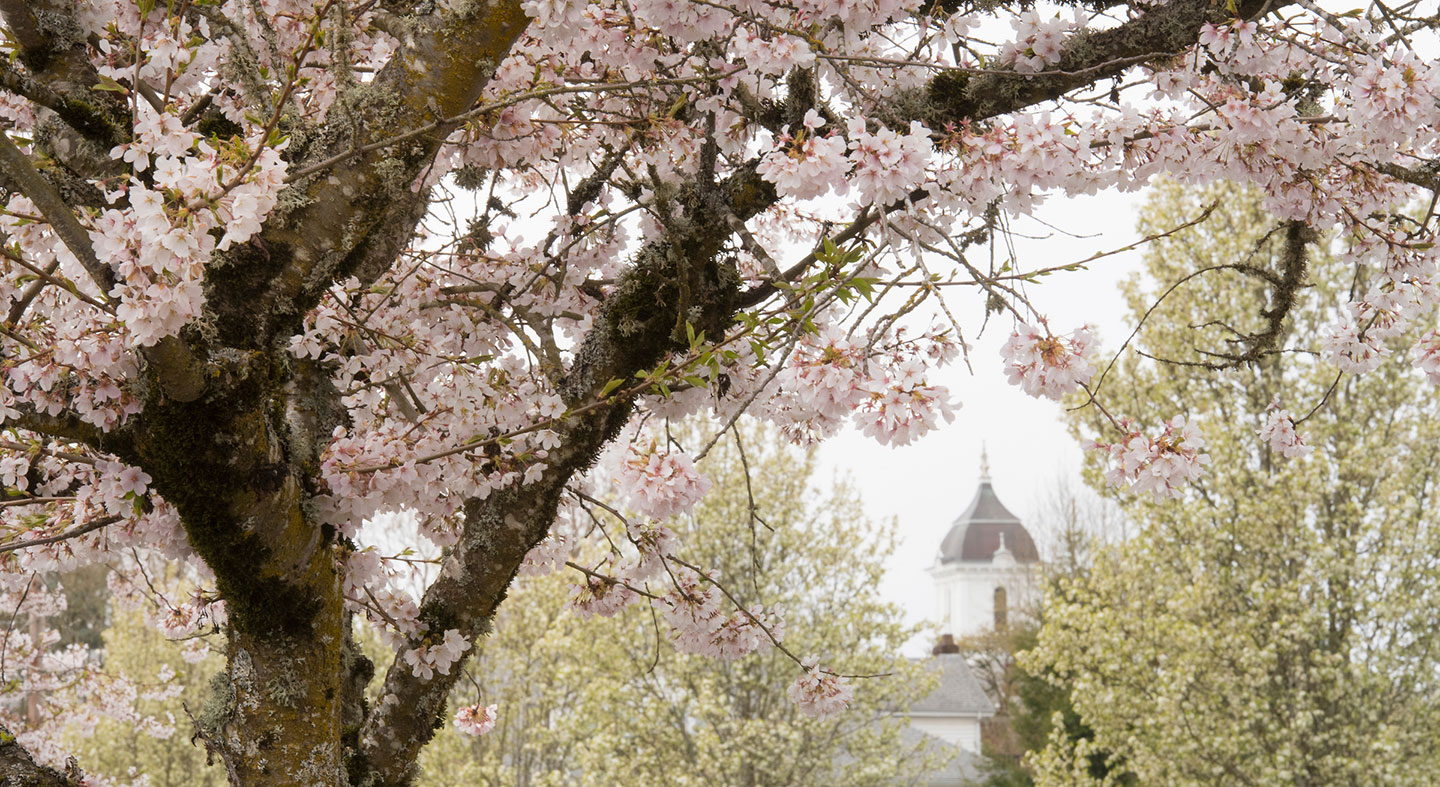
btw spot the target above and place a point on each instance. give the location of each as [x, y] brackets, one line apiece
[109, 85]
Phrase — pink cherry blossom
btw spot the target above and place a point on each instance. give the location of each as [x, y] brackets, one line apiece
[600, 595]
[1345, 347]
[808, 165]
[133, 480]
[693, 610]
[425, 660]
[1279, 431]
[1043, 364]
[660, 483]
[1426, 355]
[819, 693]
[888, 165]
[546, 557]
[1160, 465]
[475, 719]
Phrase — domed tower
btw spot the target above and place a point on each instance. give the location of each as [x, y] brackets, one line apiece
[987, 568]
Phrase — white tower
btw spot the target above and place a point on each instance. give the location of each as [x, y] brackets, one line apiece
[987, 570]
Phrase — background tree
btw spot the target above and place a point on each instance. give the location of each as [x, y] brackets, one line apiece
[169, 684]
[1074, 523]
[1041, 714]
[580, 701]
[1270, 627]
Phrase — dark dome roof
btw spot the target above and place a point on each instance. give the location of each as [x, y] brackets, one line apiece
[976, 534]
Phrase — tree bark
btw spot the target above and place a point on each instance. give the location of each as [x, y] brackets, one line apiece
[18, 769]
[279, 719]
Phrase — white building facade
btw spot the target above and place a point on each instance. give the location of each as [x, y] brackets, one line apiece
[987, 569]
[986, 576]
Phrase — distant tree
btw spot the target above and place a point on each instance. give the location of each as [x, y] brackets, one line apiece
[86, 613]
[580, 702]
[1073, 523]
[1273, 626]
[152, 746]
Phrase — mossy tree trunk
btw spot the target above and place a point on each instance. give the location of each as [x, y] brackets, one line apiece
[233, 462]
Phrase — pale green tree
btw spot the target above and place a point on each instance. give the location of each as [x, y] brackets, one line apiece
[136, 654]
[602, 701]
[1275, 625]
[1075, 523]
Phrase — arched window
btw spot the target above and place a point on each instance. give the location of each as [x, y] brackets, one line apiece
[1002, 611]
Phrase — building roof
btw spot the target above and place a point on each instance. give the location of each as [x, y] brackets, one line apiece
[987, 524]
[961, 767]
[958, 693]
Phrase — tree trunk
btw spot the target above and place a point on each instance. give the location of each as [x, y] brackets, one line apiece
[277, 717]
[230, 464]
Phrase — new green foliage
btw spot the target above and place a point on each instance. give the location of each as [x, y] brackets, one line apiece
[141, 655]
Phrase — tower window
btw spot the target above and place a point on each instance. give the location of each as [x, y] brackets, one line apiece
[1002, 611]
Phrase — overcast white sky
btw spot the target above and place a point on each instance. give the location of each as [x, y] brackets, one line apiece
[927, 484]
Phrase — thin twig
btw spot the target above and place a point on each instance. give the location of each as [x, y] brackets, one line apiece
[4, 645]
[79, 530]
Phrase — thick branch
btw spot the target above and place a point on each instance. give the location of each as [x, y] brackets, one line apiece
[358, 213]
[60, 75]
[1172, 28]
[19, 768]
[956, 97]
[17, 168]
[675, 279]
[1424, 176]
[67, 425]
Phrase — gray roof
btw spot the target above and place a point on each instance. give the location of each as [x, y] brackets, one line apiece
[978, 532]
[961, 768]
[959, 692]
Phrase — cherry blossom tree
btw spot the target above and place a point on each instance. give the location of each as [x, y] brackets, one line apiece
[273, 269]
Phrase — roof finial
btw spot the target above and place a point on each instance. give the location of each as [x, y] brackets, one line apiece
[984, 464]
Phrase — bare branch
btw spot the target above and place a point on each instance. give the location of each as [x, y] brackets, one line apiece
[78, 530]
[16, 166]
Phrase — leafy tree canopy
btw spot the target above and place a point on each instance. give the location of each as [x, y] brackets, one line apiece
[1272, 626]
